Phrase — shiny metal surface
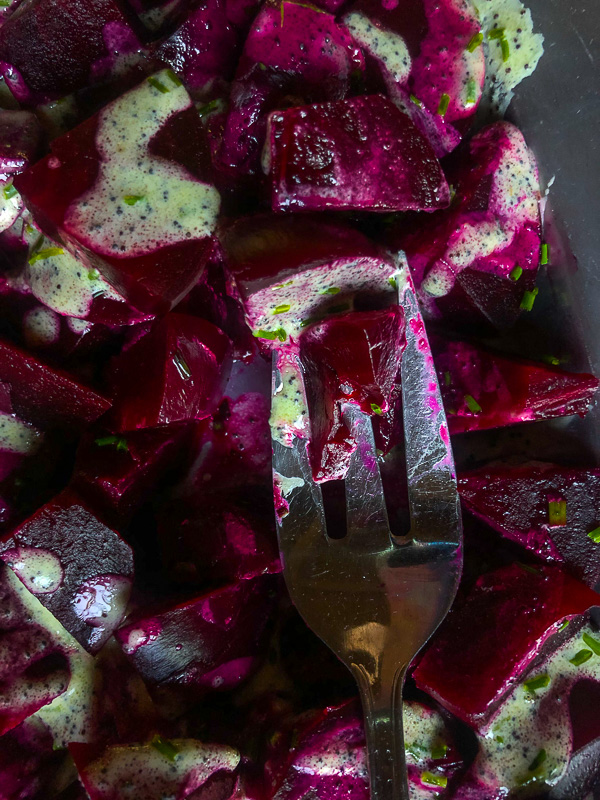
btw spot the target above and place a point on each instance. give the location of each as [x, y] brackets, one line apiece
[372, 599]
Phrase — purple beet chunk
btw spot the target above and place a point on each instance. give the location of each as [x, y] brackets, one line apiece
[465, 669]
[516, 501]
[27, 761]
[118, 472]
[176, 373]
[34, 668]
[76, 566]
[292, 51]
[211, 642]
[203, 50]
[465, 259]
[376, 159]
[482, 389]
[218, 538]
[20, 134]
[51, 48]
[45, 395]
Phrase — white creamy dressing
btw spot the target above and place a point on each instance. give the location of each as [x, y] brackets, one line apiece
[386, 47]
[40, 570]
[141, 202]
[515, 190]
[41, 327]
[17, 436]
[289, 406]
[11, 205]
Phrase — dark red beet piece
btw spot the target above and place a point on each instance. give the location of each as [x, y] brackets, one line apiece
[118, 472]
[45, 395]
[211, 642]
[515, 501]
[20, 137]
[516, 606]
[175, 373]
[51, 48]
[28, 761]
[482, 389]
[93, 195]
[376, 159]
[76, 566]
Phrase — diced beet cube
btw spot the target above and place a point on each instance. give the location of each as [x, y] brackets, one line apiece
[175, 373]
[135, 201]
[293, 51]
[118, 472]
[482, 389]
[211, 642]
[479, 259]
[20, 135]
[520, 607]
[76, 566]
[45, 395]
[362, 153]
[218, 538]
[291, 270]
[547, 508]
[51, 48]
[181, 768]
[27, 760]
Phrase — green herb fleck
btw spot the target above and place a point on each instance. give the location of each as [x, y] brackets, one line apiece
[4, 3]
[416, 101]
[476, 40]
[281, 309]
[557, 513]
[505, 48]
[496, 33]
[563, 626]
[552, 360]
[93, 274]
[393, 283]
[515, 273]
[544, 255]
[181, 366]
[174, 78]
[528, 568]
[529, 299]
[331, 290]
[592, 643]
[538, 761]
[472, 404]
[278, 334]
[282, 285]
[447, 378]
[165, 747]
[429, 779]
[376, 409]
[595, 535]
[9, 191]
[49, 252]
[443, 104]
[539, 682]
[581, 657]
[416, 750]
[120, 442]
[156, 84]
[262, 66]
[207, 108]
[439, 751]
[471, 92]
[132, 199]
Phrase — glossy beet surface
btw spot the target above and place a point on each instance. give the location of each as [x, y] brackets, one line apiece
[20, 138]
[361, 153]
[464, 669]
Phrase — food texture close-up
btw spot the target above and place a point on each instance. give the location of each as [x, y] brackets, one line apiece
[299, 400]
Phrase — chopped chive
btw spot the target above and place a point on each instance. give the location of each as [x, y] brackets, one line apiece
[581, 657]
[165, 747]
[429, 779]
[439, 751]
[174, 78]
[262, 66]
[182, 366]
[282, 308]
[592, 643]
[416, 750]
[156, 84]
[544, 254]
[120, 442]
[9, 191]
[476, 40]
[552, 360]
[595, 535]
[272, 335]
[331, 290]
[496, 33]
[4, 3]
[376, 409]
[132, 199]
[515, 273]
[443, 104]
[393, 283]
[307, 321]
[93, 274]
[47, 253]
[471, 92]
[528, 568]
[447, 378]
[505, 48]
[540, 682]
[563, 625]
[472, 404]
[208, 107]
[415, 100]
[282, 285]
[538, 761]
[529, 299]
[557, 513]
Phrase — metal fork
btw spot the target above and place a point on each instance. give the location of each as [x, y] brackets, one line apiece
[373, 598]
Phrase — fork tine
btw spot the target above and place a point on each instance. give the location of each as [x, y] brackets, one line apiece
[365, 503]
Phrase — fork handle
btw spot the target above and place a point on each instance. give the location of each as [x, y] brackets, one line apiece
[382, 710]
